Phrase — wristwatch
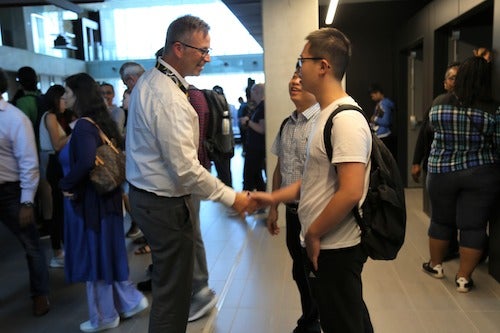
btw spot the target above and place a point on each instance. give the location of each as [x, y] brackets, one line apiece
[27, 204]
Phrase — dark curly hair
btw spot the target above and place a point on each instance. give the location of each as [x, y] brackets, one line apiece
[89, 103]
[473, 82]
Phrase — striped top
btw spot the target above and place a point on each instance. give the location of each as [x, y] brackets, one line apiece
[463, 137]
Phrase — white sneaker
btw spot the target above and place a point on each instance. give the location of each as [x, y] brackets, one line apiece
[87, 326]
[143, 304]
[57, 262]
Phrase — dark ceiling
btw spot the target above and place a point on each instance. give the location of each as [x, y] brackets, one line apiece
[390, 13]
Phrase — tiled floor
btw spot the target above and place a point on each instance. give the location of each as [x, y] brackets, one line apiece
[251, 273]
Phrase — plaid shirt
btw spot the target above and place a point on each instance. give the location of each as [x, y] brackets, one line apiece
[464, 138]
[291, 146]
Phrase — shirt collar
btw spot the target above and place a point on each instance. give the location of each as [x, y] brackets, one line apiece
[307, 113]
[173, 70]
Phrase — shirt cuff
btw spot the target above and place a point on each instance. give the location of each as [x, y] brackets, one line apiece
[27, 195]
[228, 197]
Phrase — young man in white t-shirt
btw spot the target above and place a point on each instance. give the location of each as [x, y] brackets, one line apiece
[329, 190]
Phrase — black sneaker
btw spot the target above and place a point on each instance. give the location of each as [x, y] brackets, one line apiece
[463, 285]
[436, 271]
[144, 286]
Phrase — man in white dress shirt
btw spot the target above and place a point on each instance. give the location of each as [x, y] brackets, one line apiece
[19, 177]
[164, 171]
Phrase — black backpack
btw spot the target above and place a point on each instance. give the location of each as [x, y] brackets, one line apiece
[383, 223]
[217, 143]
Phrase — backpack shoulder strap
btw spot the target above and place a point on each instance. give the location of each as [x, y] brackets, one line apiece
[327, 132]
[283, 123]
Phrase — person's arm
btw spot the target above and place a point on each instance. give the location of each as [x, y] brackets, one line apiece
[289, 193]
[84, 143]
[272, 218]
[56, 139]
[259, 127]
[418, 153]
[351, 177]
[384, 118]
[24, 148]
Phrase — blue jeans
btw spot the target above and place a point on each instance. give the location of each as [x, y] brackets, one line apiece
[10, 195]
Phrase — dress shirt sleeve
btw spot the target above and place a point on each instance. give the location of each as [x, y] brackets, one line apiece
[275, 148]
[83, 150]
[176, 132]
[25, 151]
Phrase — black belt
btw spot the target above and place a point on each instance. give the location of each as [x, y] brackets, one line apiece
[292, 207]
[139, 189]
[135, 188]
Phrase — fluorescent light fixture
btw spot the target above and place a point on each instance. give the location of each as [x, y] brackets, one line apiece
[332, 8]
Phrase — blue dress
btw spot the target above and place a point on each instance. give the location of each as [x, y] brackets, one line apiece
[91, 253]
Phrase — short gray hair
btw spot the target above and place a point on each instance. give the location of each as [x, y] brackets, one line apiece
[131, 68]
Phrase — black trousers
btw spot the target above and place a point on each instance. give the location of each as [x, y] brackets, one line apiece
[223, 167]
[54, 175]
[338, 290]
[252, 170]
[309, 320]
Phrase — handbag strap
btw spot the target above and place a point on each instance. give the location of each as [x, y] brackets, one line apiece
[103, 136]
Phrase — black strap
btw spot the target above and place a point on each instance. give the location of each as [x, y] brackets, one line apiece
[283, 123]
[171, 75]
[327, 133]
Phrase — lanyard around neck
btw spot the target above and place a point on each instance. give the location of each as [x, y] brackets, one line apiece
[171, 75]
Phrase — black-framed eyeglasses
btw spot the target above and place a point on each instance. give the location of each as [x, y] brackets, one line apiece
[300, 60]
[203, 51]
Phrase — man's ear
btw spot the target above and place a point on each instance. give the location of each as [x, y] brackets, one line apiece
[325, 66]
[177, 48]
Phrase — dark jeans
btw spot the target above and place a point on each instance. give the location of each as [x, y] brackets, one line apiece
[338, 290]
[10, 194]
[54, 175]
[309, 321]
[167, 224]
[252, 170]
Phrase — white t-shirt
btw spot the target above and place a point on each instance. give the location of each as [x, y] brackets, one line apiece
[351, 142]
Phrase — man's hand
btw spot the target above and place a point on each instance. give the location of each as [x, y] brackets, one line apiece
[241, 203]
[312, 248]
[26, 216]
[261, 199]
[272, 221]
[415, 172]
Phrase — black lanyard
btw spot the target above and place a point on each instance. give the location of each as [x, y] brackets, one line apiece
[171, 75]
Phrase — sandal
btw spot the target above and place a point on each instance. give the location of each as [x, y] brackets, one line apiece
[145, 249]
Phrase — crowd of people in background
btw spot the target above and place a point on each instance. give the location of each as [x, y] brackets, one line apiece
[51, 141]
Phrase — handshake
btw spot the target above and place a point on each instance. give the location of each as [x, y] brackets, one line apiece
[249, 202]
